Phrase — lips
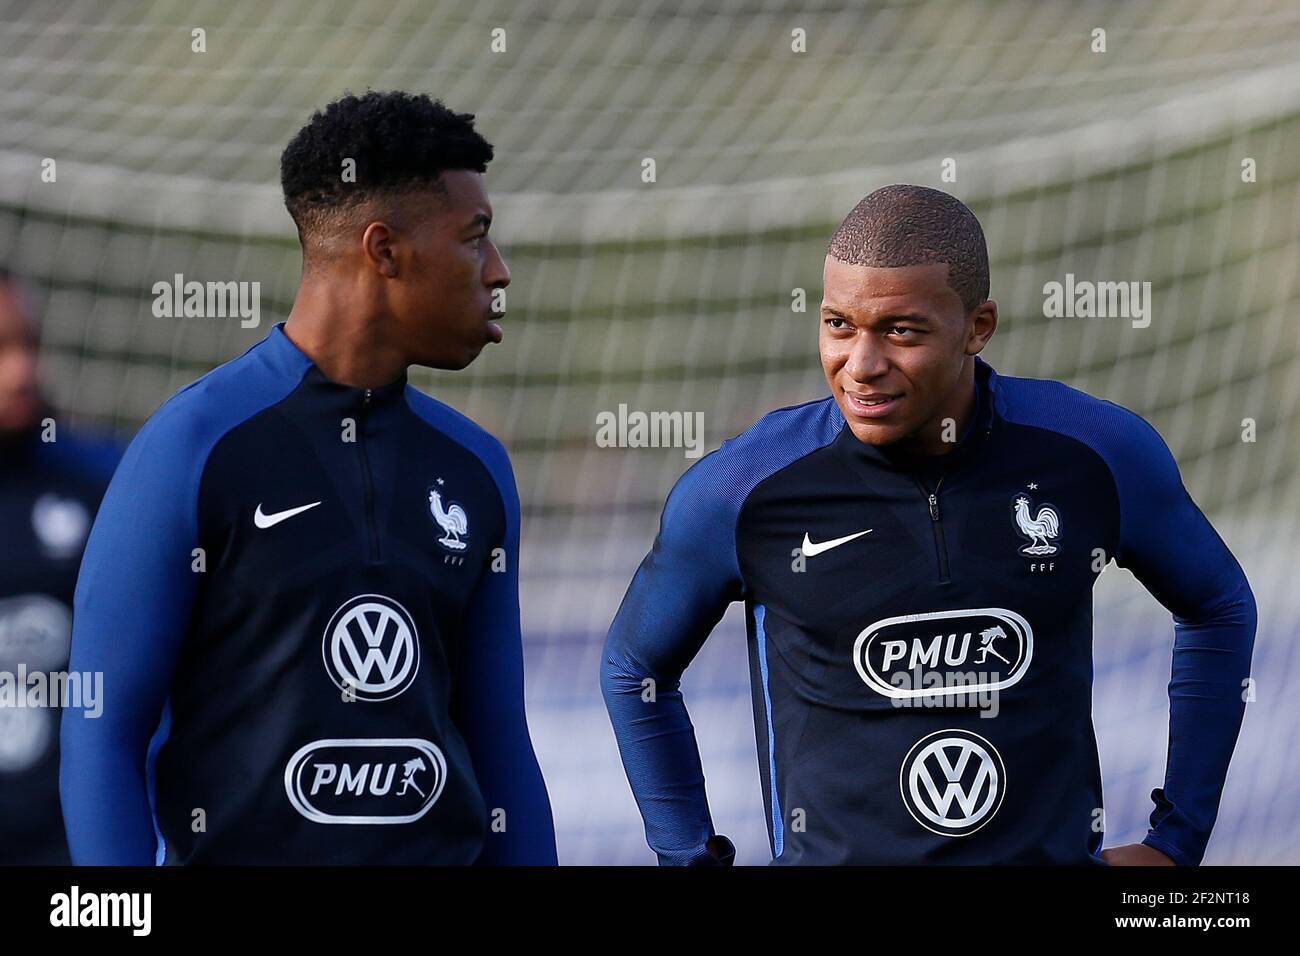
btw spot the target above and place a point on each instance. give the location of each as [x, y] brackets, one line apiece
[871, 404]
[495, 332]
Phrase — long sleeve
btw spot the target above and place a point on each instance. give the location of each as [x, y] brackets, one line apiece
[489, 710]
[677, 596]
[1174, 551]
[131, 610]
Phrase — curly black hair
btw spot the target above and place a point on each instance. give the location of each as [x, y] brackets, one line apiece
[904, 225]
[399, 142]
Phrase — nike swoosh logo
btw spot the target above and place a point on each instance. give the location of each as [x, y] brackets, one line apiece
[811, 550]
[267, 521]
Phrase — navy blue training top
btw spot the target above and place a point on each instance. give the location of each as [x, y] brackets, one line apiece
[304, 600]
[920, 634]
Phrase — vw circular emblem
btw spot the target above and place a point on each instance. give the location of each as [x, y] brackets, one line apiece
[371, 648]
[952, 782]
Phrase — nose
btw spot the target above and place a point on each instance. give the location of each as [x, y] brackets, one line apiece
[866, 361]
[496, 274]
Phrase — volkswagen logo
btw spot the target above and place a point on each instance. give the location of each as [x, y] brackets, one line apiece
[371, 648]
[952, 782]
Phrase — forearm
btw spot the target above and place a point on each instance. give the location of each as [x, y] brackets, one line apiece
[1207, 694]
[676, 598]
[492, 718]
[521, 830]
[660, 755]
[106, 810]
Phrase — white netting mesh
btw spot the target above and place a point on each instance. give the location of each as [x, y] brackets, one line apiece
[677, 294]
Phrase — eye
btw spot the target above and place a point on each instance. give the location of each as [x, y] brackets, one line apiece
[835, 322]
[901, 330]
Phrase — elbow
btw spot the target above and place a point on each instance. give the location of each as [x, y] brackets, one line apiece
[1214, 645]
[615, 675]
[624, 675]
[1238, 605]
[1249, 609]
[1240, 612]
[1232, 607]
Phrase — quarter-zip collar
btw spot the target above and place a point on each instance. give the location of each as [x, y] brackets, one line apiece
[290, 360]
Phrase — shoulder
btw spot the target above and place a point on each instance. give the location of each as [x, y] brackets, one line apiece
[1128, 444]
[467, 433]
[720, 482]
[186, 427]
[788, 433]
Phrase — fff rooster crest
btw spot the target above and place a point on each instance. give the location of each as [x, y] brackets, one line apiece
[451, 518]
[1038, 529]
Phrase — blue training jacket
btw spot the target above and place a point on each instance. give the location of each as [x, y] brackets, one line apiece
[304, 600]
[920, 634]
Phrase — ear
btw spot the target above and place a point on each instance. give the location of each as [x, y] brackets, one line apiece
[984, 322]
[377, 242]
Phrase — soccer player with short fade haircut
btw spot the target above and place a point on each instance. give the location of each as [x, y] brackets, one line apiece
[302, 588]
[916, 555]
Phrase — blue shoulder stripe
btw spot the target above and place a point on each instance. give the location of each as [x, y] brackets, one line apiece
[707, 500]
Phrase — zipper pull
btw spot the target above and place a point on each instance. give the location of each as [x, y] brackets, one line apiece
[934, 507]
[366, 401]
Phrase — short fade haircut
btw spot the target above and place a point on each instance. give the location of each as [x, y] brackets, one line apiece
[904, 225]
[400, 142]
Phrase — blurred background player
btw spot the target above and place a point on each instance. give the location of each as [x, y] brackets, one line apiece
[51, 481]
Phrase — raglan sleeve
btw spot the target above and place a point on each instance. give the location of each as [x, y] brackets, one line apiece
[131, 610]
[1173, 550]
[489, 700]
[677, 596]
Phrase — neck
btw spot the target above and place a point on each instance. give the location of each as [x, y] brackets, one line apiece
[342, 337]
[959, 406]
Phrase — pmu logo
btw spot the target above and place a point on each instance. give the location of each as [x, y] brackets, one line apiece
[980, 649]
[371, 648]
[952, 782]
[387, 780]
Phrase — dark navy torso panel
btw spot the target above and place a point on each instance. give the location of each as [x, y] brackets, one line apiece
[920, 634]
[304, 599]
[338, 623]
[858, 636]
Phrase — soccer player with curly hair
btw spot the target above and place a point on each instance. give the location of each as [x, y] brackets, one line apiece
[302, 587]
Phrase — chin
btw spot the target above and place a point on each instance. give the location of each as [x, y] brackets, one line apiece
[466, 358]
[448, 360]
[878, 435]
